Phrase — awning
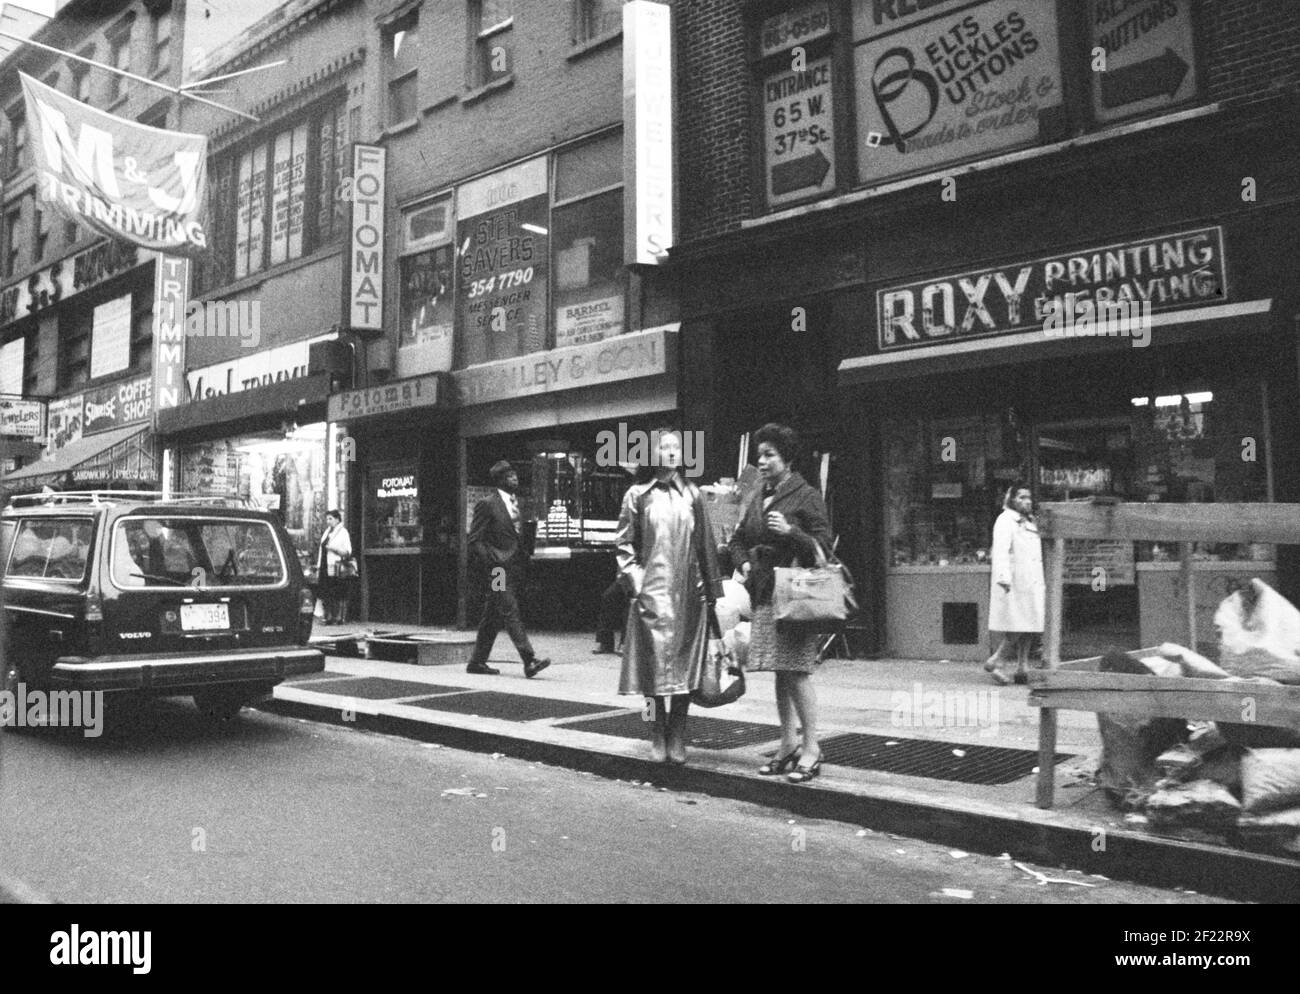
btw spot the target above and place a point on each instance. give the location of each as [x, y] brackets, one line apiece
[1167, 328]
[249, 410]
[124, 454]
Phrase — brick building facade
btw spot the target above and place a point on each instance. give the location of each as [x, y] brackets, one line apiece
[888, 293]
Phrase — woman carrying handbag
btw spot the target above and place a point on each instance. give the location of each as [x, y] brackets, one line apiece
[668, 561]
[784, 525]
[337, 568]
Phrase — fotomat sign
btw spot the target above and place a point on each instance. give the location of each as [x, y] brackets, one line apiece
[364, 282]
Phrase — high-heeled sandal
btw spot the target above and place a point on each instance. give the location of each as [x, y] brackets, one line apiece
[802, 774]
[780, 764]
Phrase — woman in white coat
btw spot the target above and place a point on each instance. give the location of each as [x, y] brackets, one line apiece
[1017, 591]
[335, 549]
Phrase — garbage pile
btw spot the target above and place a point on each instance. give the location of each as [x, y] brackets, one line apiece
[1215, 781]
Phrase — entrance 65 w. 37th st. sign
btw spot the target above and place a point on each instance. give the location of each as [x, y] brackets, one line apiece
[1169, 271]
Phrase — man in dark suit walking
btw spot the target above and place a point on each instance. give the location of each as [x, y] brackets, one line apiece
[499, 546]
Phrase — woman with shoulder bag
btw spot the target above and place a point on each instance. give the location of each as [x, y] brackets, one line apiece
[784, 525]
[667, 560]
[337, 567]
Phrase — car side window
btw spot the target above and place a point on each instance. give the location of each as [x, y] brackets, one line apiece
[7, 529]
[52, 548]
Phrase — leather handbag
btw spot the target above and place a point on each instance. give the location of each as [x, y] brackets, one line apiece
[722, 681]
[348, 568]
[822, 593]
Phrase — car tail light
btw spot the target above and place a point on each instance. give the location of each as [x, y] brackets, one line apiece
[306, 614]
[94, 618]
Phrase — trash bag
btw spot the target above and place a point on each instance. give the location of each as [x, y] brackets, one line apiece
[1270, 780]
[1129, 746]
[1200, 804]
[1259, 634]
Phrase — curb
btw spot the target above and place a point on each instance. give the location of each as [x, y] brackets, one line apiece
[1130, 856]
[14, 891]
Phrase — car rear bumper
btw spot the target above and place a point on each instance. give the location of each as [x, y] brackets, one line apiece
[162, 671]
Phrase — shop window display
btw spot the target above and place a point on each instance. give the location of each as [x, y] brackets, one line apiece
[945, 478]
[393, 507]
[277, 470]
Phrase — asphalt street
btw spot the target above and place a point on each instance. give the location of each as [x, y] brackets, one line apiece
[166, 808]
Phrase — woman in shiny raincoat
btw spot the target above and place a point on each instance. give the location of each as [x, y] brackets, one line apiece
[667, 559]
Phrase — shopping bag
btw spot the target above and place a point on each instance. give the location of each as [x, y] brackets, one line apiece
[822, 593]
[722, 680]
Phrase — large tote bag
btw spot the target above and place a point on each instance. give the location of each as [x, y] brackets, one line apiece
[822, 593]
[722, 681]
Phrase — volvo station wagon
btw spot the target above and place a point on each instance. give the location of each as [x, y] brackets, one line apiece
[132, 593]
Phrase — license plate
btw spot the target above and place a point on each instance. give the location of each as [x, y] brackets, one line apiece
[204, 617]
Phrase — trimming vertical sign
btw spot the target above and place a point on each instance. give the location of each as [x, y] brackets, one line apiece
[170, 300]
[171, 296]
[363, 287]
[647, 132]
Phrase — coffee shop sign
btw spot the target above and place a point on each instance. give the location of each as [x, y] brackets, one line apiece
[621, 358]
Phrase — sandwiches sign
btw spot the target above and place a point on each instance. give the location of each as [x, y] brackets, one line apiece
[123, 179]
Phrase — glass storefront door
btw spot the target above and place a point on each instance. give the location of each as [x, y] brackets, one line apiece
[1078, 460]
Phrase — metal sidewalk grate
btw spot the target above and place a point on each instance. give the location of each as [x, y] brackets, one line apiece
[706, 733]
[932, 760]
[512, 707]
[377, 688]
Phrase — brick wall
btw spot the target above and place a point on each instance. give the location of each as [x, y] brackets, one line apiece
[553, 97]
[1250, 49]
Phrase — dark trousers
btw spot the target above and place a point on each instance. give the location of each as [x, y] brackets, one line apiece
[501, 610]
[613, 613]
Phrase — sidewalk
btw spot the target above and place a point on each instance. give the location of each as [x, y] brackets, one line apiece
[938, 718]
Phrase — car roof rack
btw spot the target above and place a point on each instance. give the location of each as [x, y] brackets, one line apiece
[100, 498]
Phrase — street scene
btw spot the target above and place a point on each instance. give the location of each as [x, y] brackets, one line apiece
[650, 451]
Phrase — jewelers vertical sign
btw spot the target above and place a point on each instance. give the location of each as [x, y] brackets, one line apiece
[939, 86]
[798, 128]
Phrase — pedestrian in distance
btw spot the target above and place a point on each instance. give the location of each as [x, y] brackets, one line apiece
[500, 545]
[613, 612]
[783, 525]
[1017, 591]
[334, 568]
[667, 559]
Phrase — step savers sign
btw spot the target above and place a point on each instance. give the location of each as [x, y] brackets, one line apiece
[123, 179]
[624, 357]
[1172, 271]
[968, 81]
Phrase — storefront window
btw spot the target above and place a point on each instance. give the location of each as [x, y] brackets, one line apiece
[1201, 446]
[393, 505]
[589, 269]
[427, 312]
[945, 480]
[276, 470]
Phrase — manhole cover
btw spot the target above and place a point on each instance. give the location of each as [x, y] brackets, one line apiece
[512, 707]
[705, 733]
[932, 760]
[377, 688]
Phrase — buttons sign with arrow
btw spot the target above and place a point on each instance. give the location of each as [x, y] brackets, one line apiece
[1149, 62]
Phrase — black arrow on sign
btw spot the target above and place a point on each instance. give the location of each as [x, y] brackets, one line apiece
[1153, 77]
[795, 174]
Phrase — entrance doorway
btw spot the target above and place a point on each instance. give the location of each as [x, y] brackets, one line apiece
[1076, 460]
